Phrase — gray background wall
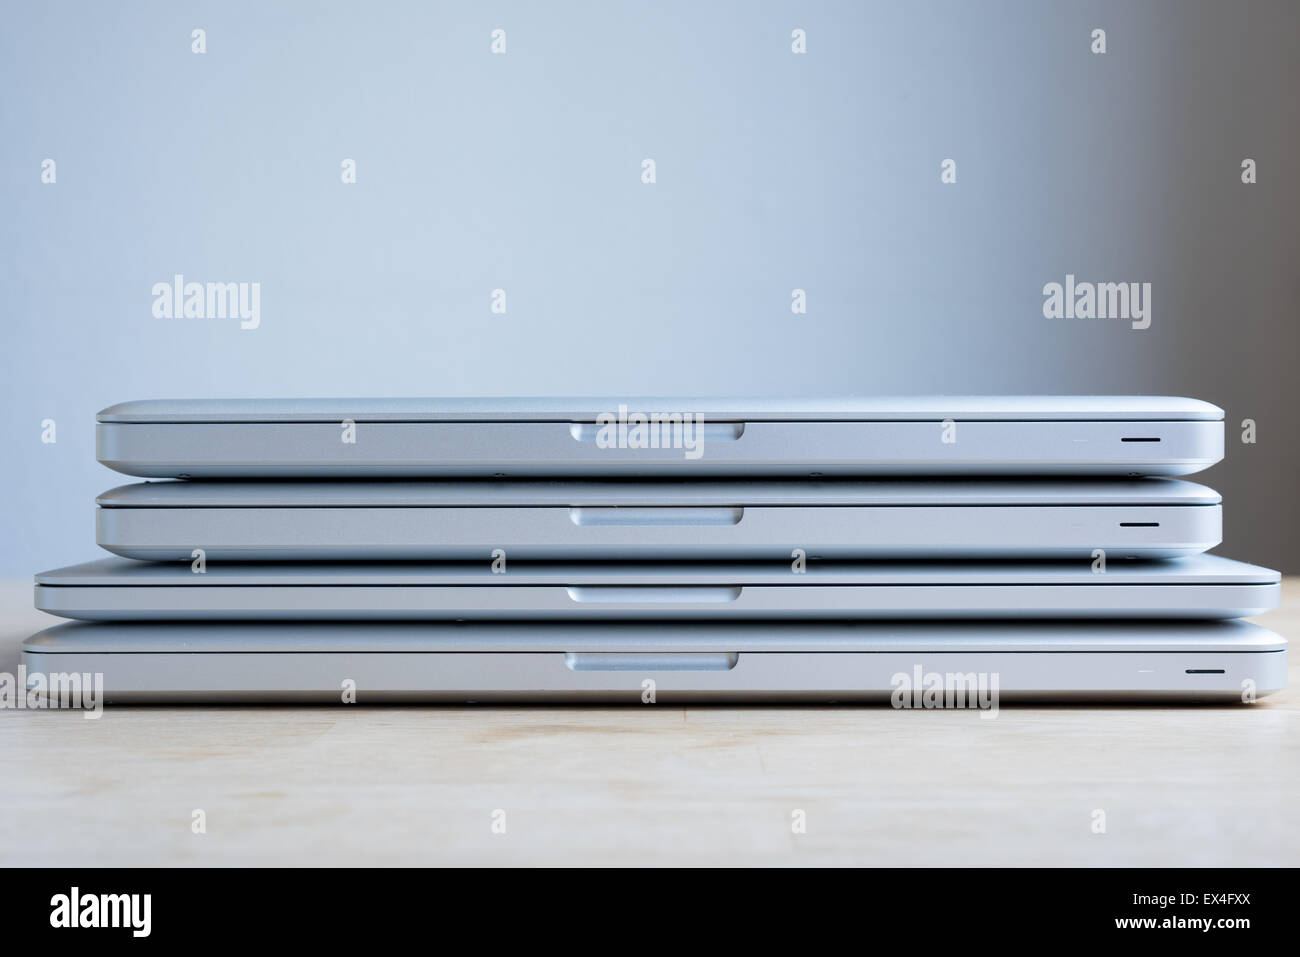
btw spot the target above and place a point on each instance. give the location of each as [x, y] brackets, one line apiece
[775, 171]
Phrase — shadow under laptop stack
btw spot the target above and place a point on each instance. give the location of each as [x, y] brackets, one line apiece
[938, 552]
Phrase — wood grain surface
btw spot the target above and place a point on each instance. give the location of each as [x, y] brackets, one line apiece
[415, 785]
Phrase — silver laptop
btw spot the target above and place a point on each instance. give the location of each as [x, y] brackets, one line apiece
[592, 437]
[905, 664]
[646, 520]
[1203, 586]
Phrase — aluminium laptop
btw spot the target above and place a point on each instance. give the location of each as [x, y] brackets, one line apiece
[1202, 586]
[665, 519]
[647, 664]
[594, 437]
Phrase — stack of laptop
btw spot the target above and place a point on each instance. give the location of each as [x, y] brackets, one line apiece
[661, 551]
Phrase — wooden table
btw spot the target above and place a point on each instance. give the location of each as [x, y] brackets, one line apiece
[701, 785]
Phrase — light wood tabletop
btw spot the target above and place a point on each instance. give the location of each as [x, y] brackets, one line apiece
[412, 785]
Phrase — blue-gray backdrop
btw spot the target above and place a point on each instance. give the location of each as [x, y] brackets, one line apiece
[523, 171]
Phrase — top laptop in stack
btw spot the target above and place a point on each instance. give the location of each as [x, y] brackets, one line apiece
[493, 438]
